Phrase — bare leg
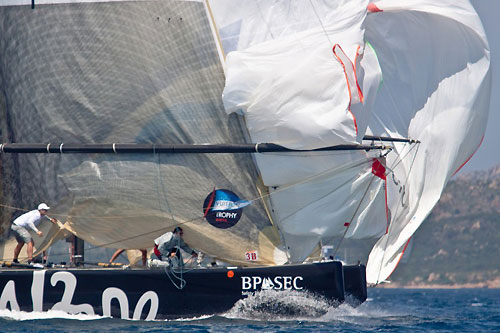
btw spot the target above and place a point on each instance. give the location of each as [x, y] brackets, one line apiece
[30, 250]
[144, 257]
[116, 254]
[17, 250]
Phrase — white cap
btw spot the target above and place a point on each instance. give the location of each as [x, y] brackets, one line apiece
[43, 206]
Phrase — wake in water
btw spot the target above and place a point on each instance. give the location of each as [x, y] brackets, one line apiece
[272, 305]
[279, 305]
[51, 314]
[290, 305]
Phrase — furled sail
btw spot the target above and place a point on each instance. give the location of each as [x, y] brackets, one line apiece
[309, 74]
[129, 72]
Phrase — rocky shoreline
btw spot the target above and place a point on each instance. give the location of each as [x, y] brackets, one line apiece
[493, 284]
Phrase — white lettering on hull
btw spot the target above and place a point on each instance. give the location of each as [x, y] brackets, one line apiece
[277, 283]
[8, 296]
[69, 281]
[153, 310]
[108, 295]
[37, 290]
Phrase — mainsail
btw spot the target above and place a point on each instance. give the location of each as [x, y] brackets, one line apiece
[129, 72]
[301, 74]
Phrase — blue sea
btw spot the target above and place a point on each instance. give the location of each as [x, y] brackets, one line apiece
[386, 310]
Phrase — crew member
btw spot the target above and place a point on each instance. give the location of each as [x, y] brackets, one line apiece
[170, 243]
[20, 229]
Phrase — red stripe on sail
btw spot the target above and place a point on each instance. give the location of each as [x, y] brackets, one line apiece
[360, 93]
[372, 8]
[347, 80]
[210, 203]
[401, 256]
[466, 161]
[386, 208]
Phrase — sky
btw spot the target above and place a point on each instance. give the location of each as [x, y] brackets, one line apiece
[488, 154]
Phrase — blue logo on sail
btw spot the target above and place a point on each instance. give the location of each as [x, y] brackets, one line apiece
[225, 200]
[223, 208]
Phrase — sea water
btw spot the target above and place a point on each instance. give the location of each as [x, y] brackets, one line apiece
[386, 310]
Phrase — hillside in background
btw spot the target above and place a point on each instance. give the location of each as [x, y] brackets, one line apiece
[459, 243]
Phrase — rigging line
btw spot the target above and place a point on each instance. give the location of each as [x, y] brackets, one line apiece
[190, 263]
[350, 180]
[354, 215]
[311, 178]
[110, 217]
[398, 161]
[15, 208]
[263, 19]
[146, 233]
[320, 22]
[182, 282]
[160, 183]
[395, 215]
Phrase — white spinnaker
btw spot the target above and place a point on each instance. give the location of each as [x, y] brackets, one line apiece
[302, 76]
[436, 66]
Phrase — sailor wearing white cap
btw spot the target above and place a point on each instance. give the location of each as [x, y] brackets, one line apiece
[20, 229]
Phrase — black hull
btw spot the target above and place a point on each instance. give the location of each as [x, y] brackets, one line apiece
[150, 294]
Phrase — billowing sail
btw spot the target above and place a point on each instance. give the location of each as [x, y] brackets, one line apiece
[302, 76]
[312, 74]
[436, 66]
[125, 72]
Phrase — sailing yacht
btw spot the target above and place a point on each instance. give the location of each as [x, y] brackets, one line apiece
[262, 128]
